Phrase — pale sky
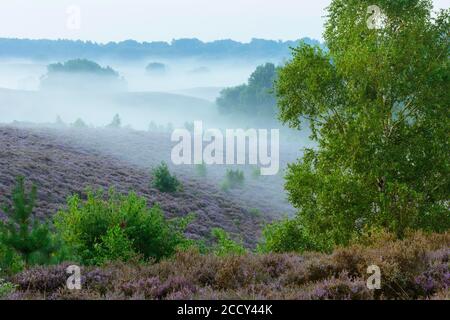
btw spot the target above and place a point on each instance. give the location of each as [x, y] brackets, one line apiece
[164, 20]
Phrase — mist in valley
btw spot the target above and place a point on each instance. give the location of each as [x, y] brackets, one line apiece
[150, 98]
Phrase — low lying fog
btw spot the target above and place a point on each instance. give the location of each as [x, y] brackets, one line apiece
[185, 91]
[157, 98]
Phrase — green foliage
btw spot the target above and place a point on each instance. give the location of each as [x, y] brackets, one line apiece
[79, 123]
[289, 235]
[256, 172]
[152, 126]
[10, 261]
[255, 98]
[163, 180]
[156, 68]
[107, 227]
[6, 288]
[189, 126]
[114, 246]
[200, 169]
[225, 245]
[115, 123]
[81, 74]
[233, 179]
[23, 235]
[377, 104]
[81, 66]
[255, 212]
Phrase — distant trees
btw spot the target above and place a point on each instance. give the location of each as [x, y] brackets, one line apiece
[156, 68]
[115, 123]
[79, 123]
[255, 98]
[81, 66]
[81, 74]
[130, 49]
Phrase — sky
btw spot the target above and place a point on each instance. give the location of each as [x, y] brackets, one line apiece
[164, 20]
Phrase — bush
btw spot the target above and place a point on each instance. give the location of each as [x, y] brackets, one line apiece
[115, 123]
[289, 236]
[23, 235]
[163, 180]
[156, 68]
[118, 227]
[6, 288]
[10, 261]
[256, 172]
[225, 245]
[79, 123]
[114, 246]
[200, 169]
[233, 179]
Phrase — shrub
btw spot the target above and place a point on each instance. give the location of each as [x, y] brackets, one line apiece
[225, 245]
[156, 68]
[256, 172]
[115, 123]
[289, 235]
[102, 228]
[163, 180]
[342, 287]
[79, 123]
[200, 169]
[406, 274]
[21, 234]
[189, 126]
[255, 212]
[233, 179]
[114, 246]
[10, 261]
[6, 288]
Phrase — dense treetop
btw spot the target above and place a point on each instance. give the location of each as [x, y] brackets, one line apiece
[378, 105]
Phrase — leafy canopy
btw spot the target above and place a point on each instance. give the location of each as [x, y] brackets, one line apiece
[377, 101]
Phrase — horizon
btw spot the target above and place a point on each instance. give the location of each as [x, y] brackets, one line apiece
[105, 21]
[160, 41]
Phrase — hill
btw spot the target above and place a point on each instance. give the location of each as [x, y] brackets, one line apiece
[60, 168]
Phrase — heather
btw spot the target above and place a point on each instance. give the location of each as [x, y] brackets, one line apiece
[65, 162]
[416, 267]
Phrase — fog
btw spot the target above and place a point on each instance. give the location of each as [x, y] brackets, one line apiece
[150, 104]
[186, 91]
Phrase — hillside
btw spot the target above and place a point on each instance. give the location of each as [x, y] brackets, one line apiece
[60, 167]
